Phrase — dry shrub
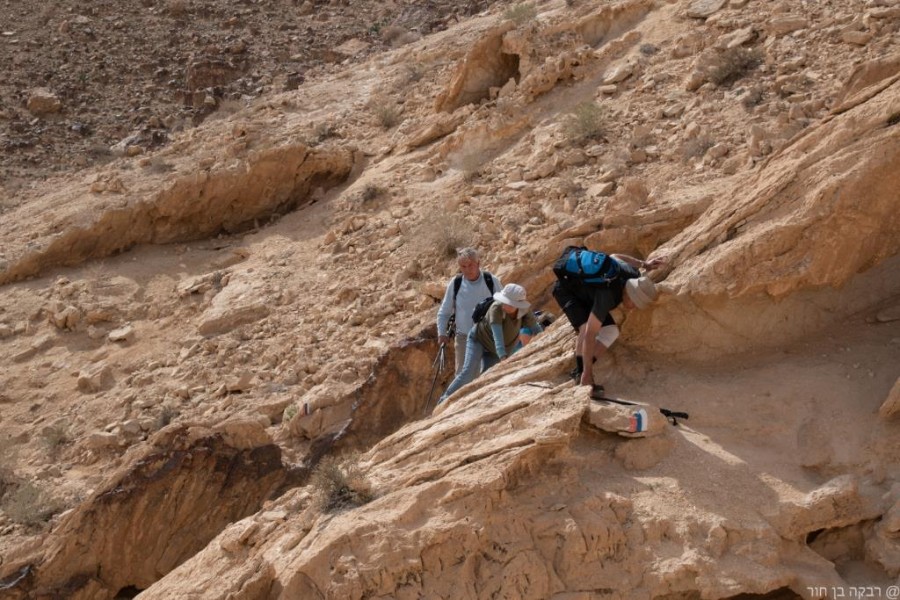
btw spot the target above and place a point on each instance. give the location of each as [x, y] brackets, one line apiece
[290, 411]
[158, 164]
[585, 122]
[471, 161]
[414, 71]
[753, 97]
[406, 38]
[521, 13]
[29, 505]
[732, 64]
[386, 111]
[338, 483]
[225, 108]
[696, 147]
[176, 8]
[323, 131]
[391, 33]
[47, 12]
[370, 192]
[55, 437]
[7, 480]
[445, 233]
[165, 416]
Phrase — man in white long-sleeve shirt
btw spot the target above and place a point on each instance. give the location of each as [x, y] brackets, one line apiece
[464, 291]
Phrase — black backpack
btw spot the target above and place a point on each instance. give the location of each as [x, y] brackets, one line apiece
[582, 265]
[481, 309]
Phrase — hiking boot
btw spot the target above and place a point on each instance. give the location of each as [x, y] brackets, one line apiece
[597, 391]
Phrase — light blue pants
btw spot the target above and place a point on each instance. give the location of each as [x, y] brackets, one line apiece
[476, 357]
[459, 349]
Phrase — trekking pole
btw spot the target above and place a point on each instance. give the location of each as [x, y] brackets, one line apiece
[438, 367]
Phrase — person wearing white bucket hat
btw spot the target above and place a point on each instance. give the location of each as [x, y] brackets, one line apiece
[493, 337]
[587, 298]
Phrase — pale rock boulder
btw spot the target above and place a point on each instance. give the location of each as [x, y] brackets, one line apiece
[636, 420]
[599, 190]
[42, 102]
[543, 168]
[701, 9]
[891, 406]
[631, 196]
[240, 302]
[95, 378]
[884, 546]
[856, 37]
[785, 24]
[244, 433]
[736, 38]
[644, 453]
[240, 383]
[351, 48]
[619, 72]
[124, 334]
[840, 502]
[67, 318]
[435, 126]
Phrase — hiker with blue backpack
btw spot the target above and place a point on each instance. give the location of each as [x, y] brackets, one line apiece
[470, 286]
[496, 333]
[591, 284]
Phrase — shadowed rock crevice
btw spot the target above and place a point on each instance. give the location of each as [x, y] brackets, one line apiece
[156, 514]
[486, 66]
[394, 394]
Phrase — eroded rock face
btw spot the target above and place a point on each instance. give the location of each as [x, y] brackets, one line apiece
[228, 198]
[160, 510]
[507, 491]
[758, 245]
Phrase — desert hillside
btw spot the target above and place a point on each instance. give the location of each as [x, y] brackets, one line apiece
[227, 227]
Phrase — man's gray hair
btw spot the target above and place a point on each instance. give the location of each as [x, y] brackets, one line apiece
[467, 253]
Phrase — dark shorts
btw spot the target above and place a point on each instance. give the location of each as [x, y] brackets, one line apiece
[577, 301]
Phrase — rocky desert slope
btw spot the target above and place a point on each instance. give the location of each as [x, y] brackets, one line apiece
[197, 332]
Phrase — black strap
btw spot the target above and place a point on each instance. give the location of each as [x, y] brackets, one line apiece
[457, 283]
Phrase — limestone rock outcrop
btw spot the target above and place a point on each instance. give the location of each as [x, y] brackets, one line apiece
[156, 512]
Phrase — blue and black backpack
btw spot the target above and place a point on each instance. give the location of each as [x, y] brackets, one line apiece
[581, 265]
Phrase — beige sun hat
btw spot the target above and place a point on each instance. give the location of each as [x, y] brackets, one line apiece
[512, 294]
[641, 290]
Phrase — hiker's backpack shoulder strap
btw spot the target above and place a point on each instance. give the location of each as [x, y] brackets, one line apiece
[489, 281]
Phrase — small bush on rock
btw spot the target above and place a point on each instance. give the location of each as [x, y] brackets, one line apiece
[520, 13]
[445, 232]
[29, 505]
[386, 111]
[338, 483]
[585, 123]
[732, 64]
